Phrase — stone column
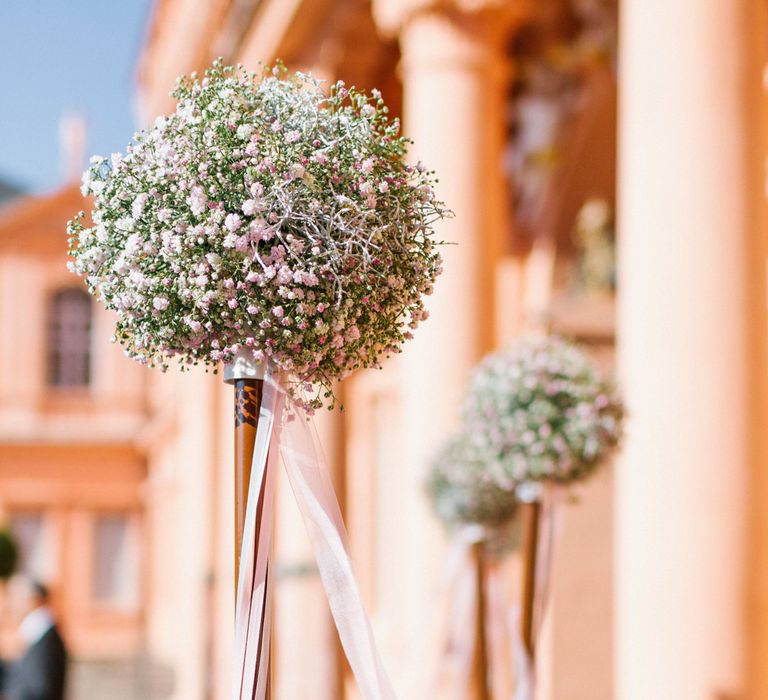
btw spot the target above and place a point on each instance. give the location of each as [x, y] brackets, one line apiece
[453, 68]
[690, 313]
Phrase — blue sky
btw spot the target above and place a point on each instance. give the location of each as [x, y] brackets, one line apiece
[61, 56]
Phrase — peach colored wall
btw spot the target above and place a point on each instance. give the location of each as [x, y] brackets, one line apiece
[68, 454]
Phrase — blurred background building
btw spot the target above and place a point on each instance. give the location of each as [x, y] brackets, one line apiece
[117, 481]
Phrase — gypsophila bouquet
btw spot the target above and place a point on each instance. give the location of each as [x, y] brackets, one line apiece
[542, 411]
[263, 214]
[462, 490]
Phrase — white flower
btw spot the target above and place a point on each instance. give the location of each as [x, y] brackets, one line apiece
[197, 200]
[232, 222]
[86, 183]
[160, 303]
[244, 131]
[133, 244]
[137, 208]
[296, 171]
[249, 207]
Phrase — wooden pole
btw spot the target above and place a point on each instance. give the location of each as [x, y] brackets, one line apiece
[248, 396]
[480, 664]
[248, 393]
[531, 523]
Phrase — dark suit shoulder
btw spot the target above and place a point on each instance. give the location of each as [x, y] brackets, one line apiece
[41, 672]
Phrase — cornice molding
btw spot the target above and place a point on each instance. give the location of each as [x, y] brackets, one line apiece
[497, 17]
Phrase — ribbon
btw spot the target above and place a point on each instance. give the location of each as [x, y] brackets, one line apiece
[284, 430]
[454, 676]
[253, 605]
[506, 649]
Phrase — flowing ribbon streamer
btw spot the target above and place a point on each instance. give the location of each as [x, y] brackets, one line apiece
[454, 679]
[499, 632]
[289, 433]
[253, 608]
[458, 630]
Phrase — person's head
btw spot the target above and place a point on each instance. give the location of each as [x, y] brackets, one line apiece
[39, 595]
[26, 594]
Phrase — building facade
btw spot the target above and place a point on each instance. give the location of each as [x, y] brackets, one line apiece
[540, 128]
[72, 474]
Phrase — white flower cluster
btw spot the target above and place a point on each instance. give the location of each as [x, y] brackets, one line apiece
[264, 214]
[463, 491]
[541, 411]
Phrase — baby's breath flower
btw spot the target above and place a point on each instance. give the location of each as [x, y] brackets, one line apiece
[263, 213]
[542, 410]
[463, 490]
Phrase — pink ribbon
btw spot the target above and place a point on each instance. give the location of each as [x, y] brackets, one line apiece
[455, 672]
[285, 431]
[506, 649]
[253, 606]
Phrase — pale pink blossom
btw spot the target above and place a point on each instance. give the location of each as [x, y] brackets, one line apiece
[232, 222]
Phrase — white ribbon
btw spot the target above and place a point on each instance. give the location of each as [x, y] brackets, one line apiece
[294, 438]
[253, 607]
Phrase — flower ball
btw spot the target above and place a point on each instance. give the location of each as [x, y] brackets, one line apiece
[267, 214]
[542, 410]
[462, 490]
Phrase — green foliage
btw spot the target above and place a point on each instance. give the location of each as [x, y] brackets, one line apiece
[9, 554]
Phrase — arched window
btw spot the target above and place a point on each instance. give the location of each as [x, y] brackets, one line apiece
[69, 339]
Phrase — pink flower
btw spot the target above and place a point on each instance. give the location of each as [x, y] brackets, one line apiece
[160, 303]
[197, 200]
[232, 303]
[296, 171]
[232, 222]
[293, 136]
[367, 165]
[249, 207]
[278, 312]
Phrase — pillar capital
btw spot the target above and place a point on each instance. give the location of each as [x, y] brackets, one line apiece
[495, 18]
